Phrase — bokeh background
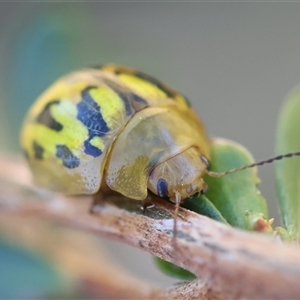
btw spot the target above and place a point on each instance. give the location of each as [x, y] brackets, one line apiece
[236, 62]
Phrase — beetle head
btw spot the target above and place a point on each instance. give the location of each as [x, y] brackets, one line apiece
[181, 174]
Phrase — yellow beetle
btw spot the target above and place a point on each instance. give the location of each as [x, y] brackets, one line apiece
[115, 126]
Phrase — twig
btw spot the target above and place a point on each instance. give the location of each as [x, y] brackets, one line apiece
[230, 263]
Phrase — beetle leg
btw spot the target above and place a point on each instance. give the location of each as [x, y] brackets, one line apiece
[97, 198]
[177, 204]
[147, 203]
[105, 193]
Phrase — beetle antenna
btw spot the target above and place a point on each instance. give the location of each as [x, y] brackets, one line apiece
[177, 204]
[260, 163]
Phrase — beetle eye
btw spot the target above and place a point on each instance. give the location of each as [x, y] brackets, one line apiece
[162, 188]
[205, 161]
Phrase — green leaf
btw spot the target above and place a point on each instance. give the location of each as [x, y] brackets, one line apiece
[234, 195]
[201, 205]
[287, 170]
[283, 234]
[173, 270]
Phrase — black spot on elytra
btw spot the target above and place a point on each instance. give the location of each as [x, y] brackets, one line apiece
[38, 150]
[89, 113]
[68, 158]
[46, 118]
[160, 85]
[129, 98]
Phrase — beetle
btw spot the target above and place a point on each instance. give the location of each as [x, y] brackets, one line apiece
[116, 127]
[119, 127]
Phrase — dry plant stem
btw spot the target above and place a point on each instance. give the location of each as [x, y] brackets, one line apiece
[77, 256]
[230, 263]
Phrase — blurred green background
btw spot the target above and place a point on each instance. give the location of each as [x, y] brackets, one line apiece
[235, 62]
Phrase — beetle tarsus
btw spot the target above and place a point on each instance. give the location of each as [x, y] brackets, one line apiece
[93, 204]
[147, 203]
